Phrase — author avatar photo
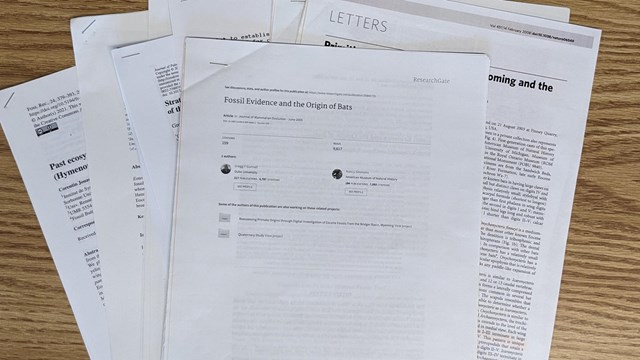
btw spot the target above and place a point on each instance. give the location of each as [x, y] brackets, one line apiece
[226, 168]
[337, 174]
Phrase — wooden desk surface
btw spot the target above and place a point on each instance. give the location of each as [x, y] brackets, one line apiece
[599, 309]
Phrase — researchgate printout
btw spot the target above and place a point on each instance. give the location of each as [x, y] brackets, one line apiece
[41, 120]
[539, 90]
[116, 175]
[150, 85]
[326, 215]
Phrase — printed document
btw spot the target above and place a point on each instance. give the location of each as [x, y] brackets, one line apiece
[155, 276]
[328, 215]
[287, 14]
[556, 13]
[116, 176]
[285, 19]
[159, 18]
[539, 90]
[41, 120]
[150, 84]
[228, 19]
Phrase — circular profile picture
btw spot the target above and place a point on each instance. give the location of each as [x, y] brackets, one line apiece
[226, 168]
[337, 174]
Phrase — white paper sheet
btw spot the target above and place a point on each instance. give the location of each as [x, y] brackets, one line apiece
[230, 19]
[287, 14]
[150, 84]
[159, 19]
[155, 276]
[314, 212]
[540, 86]
[285, 19]
[557, 13]
[116, 177]
[41, 120]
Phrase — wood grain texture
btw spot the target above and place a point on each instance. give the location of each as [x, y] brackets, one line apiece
[599, 309]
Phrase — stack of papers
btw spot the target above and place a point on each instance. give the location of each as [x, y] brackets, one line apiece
[319, 179]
